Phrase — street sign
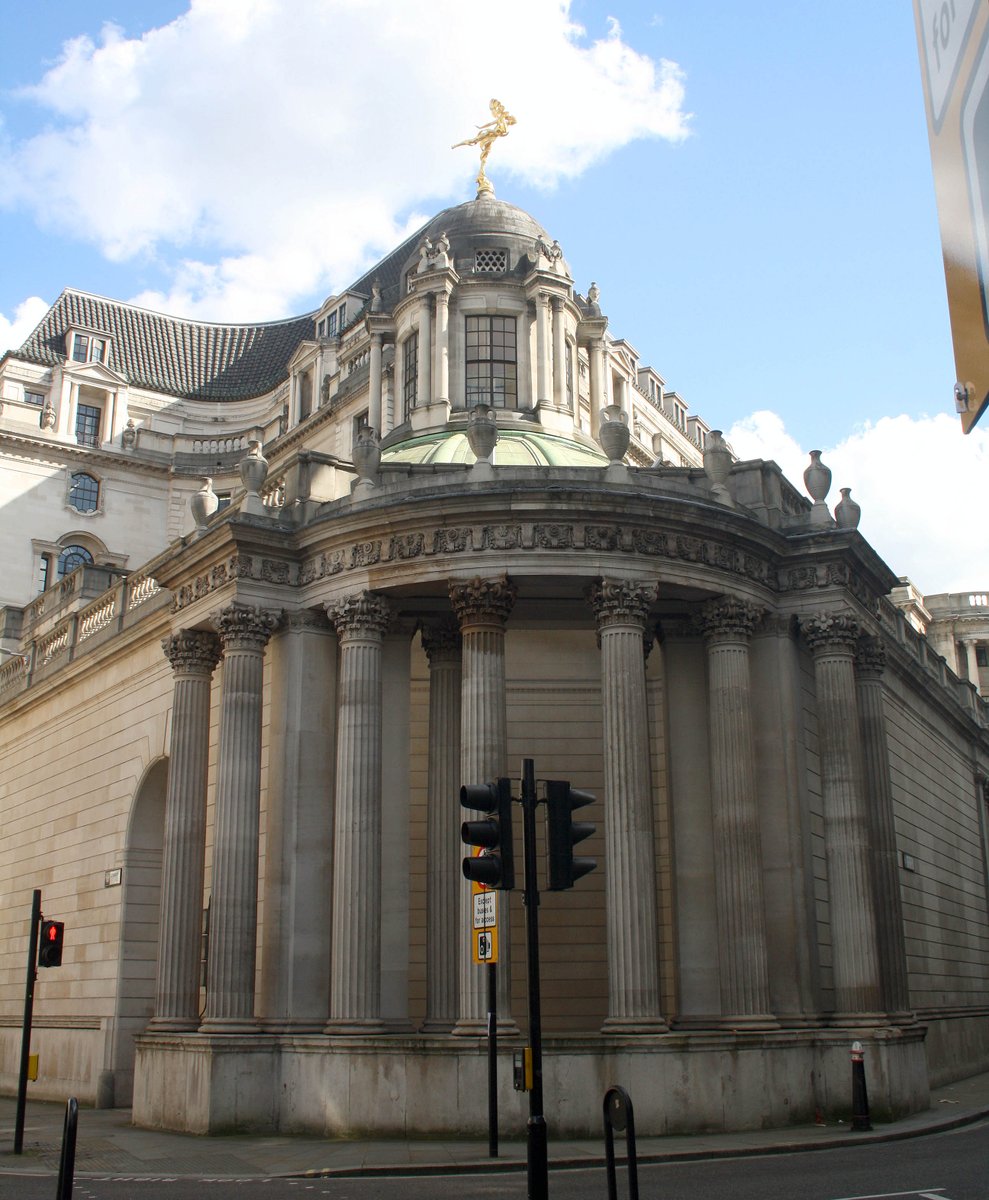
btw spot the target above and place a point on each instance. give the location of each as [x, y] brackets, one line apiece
[485, 910]
[953, 36]
[484, 922]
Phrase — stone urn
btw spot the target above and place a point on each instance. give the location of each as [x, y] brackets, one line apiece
[204, 504]
[253, 468]
[614, 434]
[482, 432]
[367, 456]
[847, 512]
[817, 478]
[717, 462]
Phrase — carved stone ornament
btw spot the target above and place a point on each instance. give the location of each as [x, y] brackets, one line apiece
[482, 599]
[305, 619]
[621, 601]
[362, 613]
[870, 656]
[245, 626]
[192, 651]
[831, 632]
[441, 640]
[729, 618]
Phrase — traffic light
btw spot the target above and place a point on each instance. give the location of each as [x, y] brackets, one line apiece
[495, 868]
[563, 833]
[50, 943]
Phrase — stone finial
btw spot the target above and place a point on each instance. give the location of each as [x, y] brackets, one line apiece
[253, 473]
[847, 511]
[367, 458]
[593, 300]
[817, 481]
[128, 435]
[482, 433]
[717, 465]
[46, 418]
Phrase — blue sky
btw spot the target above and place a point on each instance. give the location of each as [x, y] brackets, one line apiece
[760, 218]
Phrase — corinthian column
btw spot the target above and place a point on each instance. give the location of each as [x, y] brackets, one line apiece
[244, 632]
[542, 348]
[595, 369]
[374, 417]
[482, 607]
[870, 662]
[559, 354]
[727, 625]
[441, 641]
[834, 640]
[355, 973]
[441, 376]
[193, 654]
[622, 609]
[425, 350]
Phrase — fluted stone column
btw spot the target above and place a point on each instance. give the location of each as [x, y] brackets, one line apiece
[834, 640]
[441, 642]
[596, 384]
[622, 610]
[441, 376]
[971, 661]
[374, 385]
[355, 973]
[193, 654]
[727, 625]
[870, 662]
[481, 607]
[425, 351]
[559, 355]
[244, 631]
[542, 348]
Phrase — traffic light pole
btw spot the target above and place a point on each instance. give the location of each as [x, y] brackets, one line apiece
[538, 1155]
[32, 974]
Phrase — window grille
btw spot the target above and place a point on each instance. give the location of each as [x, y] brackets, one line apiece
[84, 492]
[410, 371]
[72, 557]
[490, 262]
[491, 362]
[88, 418]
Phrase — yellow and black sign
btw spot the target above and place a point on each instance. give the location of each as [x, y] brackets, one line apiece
[484, 923]
[954, 55]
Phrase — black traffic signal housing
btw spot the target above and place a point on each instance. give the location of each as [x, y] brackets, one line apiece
[50, 943]
[495, 868]
[563, 833]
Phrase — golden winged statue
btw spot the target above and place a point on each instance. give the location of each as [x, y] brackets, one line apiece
[485, 138]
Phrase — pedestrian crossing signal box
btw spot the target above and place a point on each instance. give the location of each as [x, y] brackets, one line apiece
[522, 1069]
[50, 943]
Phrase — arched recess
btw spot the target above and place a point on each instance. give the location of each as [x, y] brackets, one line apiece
[138, 956]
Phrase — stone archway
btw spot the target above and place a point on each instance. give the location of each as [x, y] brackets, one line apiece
[138, 956]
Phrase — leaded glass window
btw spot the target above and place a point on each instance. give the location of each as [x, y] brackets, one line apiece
[491, 362]
[72, 557]
[88, 418]
[84, 492]
[410, 371]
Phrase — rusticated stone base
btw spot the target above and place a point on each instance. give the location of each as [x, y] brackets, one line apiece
[422, 1085]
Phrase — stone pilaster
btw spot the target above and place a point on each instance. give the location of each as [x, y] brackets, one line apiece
[193, 654]
[355, 974]
[542, 348]
[833, 639]
[441, 374]
[596, 384]
[374, 417]
[559, 354]
[481, 607]
[870, 662]
[727, 625]
[622, 610]
[244, 631]
[441, 642]
[425, 351]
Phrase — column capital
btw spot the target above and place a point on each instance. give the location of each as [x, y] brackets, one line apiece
[621, 601]
[481, 599]
[361, 613]
[870, 657]
[729, 619]
[441, 640]
[245, 626]
[192, 651]
[831, 633]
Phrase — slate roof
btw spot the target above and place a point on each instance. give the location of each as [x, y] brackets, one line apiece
[190, 359]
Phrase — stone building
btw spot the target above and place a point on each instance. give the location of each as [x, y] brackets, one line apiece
[453, 523]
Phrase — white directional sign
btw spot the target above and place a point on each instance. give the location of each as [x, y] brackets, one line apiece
[485, 910]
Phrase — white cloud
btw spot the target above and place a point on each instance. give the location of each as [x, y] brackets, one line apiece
[274, 146]
[14, 331]
[921, 483]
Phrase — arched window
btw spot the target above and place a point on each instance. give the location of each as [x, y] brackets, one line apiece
[72, 557]
[84, 492]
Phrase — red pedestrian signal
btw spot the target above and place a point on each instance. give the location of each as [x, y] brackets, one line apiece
[50, 947]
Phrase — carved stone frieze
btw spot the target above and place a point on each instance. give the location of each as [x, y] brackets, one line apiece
[481, 599]
[306, 618]
[245, 626]
[361, 613]
[775, 624]
[441, 640]
[831, 632]
[237, 566]
[404, 546]
[192, 651]
[450, 541]
[553, 537]
[729, 618]
[602, 537]
[501, 537]
[621, 602]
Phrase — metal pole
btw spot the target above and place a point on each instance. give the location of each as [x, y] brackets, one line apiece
[32, 974]
[67, 1162]
[860, 1095]
[493, 1056]
[538, 1174]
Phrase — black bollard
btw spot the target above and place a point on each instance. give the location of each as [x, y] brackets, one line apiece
[618, 1115]
[860, 1096]
[67, 1163]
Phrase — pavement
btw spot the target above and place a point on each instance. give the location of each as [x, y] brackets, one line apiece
[108, 1144]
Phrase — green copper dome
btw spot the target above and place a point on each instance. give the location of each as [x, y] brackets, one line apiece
[516, 448]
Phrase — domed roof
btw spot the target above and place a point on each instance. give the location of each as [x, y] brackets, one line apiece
[515, 448]
[485, 215]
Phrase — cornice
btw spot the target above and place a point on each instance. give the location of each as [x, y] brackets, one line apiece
[51, 452]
